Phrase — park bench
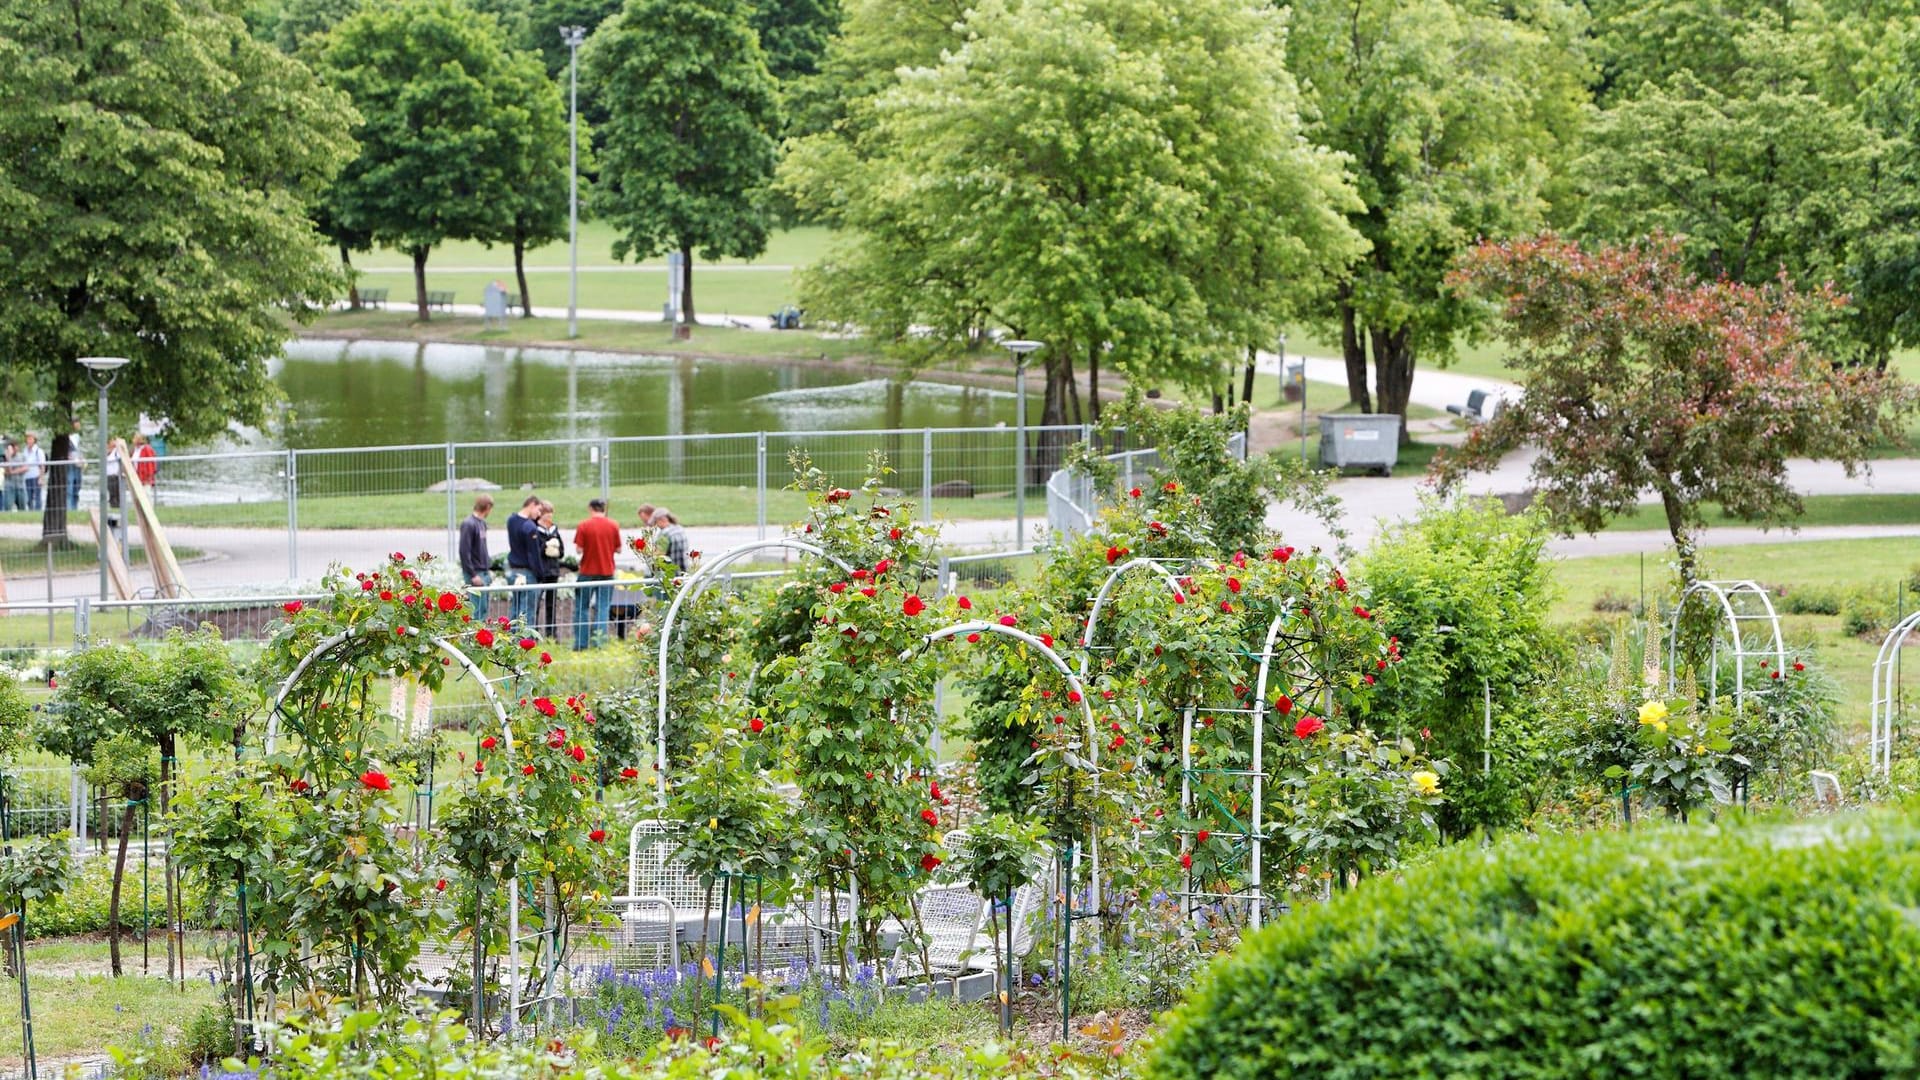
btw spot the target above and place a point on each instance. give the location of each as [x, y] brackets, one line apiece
[1475, 410]
[439, 301]
[513, 301]
[373, 298]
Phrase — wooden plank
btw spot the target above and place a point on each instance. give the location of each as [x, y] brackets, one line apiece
[116, 559]
[166, 569]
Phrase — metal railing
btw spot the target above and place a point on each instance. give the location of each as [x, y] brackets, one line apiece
[1073, 500]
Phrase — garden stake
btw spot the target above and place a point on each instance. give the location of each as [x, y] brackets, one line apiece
[19, 942]
[720, 953]
[479, 1014]
[146, 891]
[1006, 1000]
[1066, 953]
[245, 1004]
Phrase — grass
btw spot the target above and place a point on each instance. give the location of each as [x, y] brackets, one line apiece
[23, 558]
[1820, 510]
[785, 247]
[81, 1015]
[653, 339]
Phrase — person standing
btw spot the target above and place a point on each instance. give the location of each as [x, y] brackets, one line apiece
[673, 537]
[13, 495]
[595, 539]
[146, 463]
[110, 469]
[34, 474]
[520, 564]
[76, 464]
[549, 550]
[476, 566]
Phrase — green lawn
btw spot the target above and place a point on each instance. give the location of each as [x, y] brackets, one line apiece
[651, 338]
[785, 247]
[75, 1015]
[1820, 510]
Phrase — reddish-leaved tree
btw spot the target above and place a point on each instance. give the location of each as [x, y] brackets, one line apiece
[1640, 377]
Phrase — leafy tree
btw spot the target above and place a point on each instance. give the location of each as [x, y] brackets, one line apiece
[155, 162]
[1123, 179]
[537, 175]
[689, 136]
[123, 769]
[295, 26]
[545, 18]
[794, 34]
[444, 117]
[1884, 272]
[1450, 116]
[1640, 376]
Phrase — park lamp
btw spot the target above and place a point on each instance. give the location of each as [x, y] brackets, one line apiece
[103, 370]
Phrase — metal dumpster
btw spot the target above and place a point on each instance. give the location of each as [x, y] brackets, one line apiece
[1360, 441]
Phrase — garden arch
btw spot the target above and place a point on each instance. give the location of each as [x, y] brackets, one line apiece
[1886, 693]
[694, 585]
[1742, 604]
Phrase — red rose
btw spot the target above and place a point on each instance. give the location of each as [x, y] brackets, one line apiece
[1113, 555]
[578, 753]
[837, 587]
[546, 658]
[1008, 620]
[528, 643]
[629, 773]
[399, 631]
[1226, 606]
[1133, 493]
[409, 598]
[292, 607]
[1186, 860]
[912, 606]
[973, 639]
[1362, 612]
[1380, 665]
[1308, 727]
[1426, 733]
[479, 766]
[546, 706]
[933, 791]
[893, 534]
[1179, 598]
[1233, 584]
[1202, 835]
[440, 886]
[1339, 583]
[1073, 696]
[298, 786]
[1170, 487]
[1775, 674]
[489, 743]
[928, 862]
[930, 817]
[882, 567]
[1798, 666]
[527, 770]
[1283, 704]
[966, 604]
[598, 836]
[366, 586]
[483, 637]
[756, 725]
[386, 594]
[448, 601]
[869, 592]
[1369, 679]
[376, 781]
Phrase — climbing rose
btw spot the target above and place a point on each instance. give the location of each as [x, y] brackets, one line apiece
[366, 586]
[527, 770]
[546, 706]
[1113, 555]
[546, 658]
[930, 817]
[1186, 860]
[1008, 620]
[528, 643]
[298, 786]
[928, 862]
[1283, 704]
[1233, 584]
[869, 592]
[973, 639]
[1179, 598]
[1798, 666]
[448, 601]
[578, 753]
[837, 587]
[882, 567]
[483, 638]
[1362, 612]
[1133, 493]
[966, 604]
[489, 743]
[292, 607]
[1202, 835]
[756, 725]
[386, 594]
[629, 773]
[598, 836]
[376, 781]
[1308, 727]
[1073, 696]
[912, 606]
[893, 534]
[479, 766]
[1226, 606]
[440, 886]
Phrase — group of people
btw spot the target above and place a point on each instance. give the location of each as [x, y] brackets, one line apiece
[33, 481]
[537, 552]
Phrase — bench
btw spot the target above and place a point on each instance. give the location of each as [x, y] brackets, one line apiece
[513, 301]
[1475, 410]
[441, 301]
[373, 298]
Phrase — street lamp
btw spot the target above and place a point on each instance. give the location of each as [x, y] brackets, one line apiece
[1020, 350]
[572, 36]
[103, 370]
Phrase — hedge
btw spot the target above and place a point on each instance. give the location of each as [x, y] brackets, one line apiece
[1759, 950]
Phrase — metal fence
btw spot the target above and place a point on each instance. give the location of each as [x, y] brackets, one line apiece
[1073, 499]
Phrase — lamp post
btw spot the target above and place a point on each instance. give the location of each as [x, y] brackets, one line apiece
[573, 36]
[103, 370]
[1020, 349]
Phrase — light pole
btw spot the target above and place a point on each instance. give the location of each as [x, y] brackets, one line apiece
[103, 370]
[1020, 350]
[573, 36]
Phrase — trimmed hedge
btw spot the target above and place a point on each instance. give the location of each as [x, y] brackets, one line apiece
[1757, 951]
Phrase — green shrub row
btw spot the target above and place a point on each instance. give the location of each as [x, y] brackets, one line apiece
[1755, 951]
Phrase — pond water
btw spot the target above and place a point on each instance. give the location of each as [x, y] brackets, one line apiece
[394, 393]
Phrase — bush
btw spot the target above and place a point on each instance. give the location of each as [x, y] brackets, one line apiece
[1760, 951]
[82, 909]
[1811, 600]
[1865, 614]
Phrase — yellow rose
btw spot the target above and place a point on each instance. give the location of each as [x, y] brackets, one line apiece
[1654, 715]
[1426, 783]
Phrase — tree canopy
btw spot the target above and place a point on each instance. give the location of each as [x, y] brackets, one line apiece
[156, 162]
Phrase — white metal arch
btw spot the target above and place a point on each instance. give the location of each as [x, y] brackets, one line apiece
[693, 586]
[1106, 590]
[1724, 594]
[1886, 687]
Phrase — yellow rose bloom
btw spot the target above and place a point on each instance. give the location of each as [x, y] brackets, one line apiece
[1426, 782]
[1654, 715]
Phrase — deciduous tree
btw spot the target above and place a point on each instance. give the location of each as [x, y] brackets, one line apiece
[689, 145]
[1641, 376]
[537, 176]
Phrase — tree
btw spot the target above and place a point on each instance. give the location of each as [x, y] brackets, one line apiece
[443, 119]
[155, 166]
[1640, 376]
[1125, 180]
[536, 177]
[794, 34]
[1450, 118]
[689, 144]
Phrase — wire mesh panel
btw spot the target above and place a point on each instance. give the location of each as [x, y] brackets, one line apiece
[703, 479]
[565, 473]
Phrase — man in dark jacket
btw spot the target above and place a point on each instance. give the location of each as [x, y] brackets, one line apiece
[476, 566]
[522, 535]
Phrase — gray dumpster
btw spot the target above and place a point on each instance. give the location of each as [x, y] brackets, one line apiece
[1360, 441]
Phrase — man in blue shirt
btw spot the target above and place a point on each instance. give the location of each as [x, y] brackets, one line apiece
[522, 534]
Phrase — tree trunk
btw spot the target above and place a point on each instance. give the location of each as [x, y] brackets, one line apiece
[1246, 384]
[686, 287]
[1393, 373]
[1093, 383]
[119, 876]
[353, 287]
[1681, 533]
[420, 282]
[1354, 350]
[54, 478]
[520, 275]
[1050, 449]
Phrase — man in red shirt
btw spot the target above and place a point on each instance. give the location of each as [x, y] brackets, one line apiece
[595, 540]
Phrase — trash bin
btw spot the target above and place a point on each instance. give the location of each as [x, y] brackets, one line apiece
[1294, 387]
[1360, 441]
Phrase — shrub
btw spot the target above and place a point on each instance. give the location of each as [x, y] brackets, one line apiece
[1865, 614]
[1770, 951]
[1811, 600]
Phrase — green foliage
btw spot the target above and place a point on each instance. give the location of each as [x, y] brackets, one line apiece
[85, 906]
[535, 176]
[16, 718]
[1003, 853]
[1354, 806]
[1778, 951]
[1466, 591]
[731, 821]
[689, 143]
[35, 870]
[446, 126]
[794, 34]
[1124, 180]
[191, 270]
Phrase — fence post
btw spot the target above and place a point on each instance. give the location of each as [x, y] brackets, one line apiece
[760, 484]
[293, 515]
[606, 472]
[453, 510]
[926, 476]
[82, 617]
